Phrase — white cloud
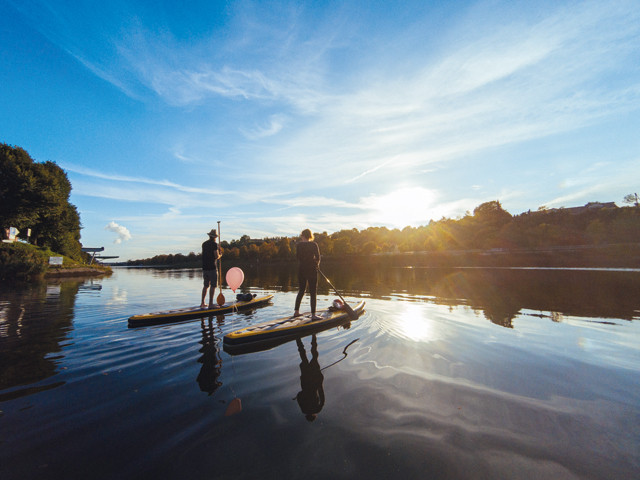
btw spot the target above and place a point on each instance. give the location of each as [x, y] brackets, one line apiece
[122, 232]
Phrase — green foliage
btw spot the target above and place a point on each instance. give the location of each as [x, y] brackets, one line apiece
[632, 199]
[490, 228]
[491, 213]
[36, 196]
[20, 261]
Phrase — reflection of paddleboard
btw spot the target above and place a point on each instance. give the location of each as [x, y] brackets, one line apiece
[193, 312]
[275, 332]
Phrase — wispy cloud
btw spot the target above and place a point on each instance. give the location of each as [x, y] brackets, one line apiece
[274, 124]
[324, 117]
[309, 201]
[142, 180]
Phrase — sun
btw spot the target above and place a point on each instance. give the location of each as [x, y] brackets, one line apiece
[402, 207]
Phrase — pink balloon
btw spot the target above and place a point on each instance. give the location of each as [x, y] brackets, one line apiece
[235, 277]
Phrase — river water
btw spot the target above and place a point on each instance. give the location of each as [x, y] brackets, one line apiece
[450, 374]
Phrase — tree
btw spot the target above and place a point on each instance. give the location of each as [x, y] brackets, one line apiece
[632, 199]
[267, 251]
[36, 196]
[491, 213]
[253, 251]
[369, 248]
[325, 243]
[342, 246]
[284, 248]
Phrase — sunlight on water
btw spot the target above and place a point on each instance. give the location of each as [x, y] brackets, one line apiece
[412, 322]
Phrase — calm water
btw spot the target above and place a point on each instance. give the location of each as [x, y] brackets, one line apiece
[458, 374]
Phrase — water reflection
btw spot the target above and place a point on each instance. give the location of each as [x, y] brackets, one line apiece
[310, 398]
[415, 325]
[210, 359]
[499, 293]
[552, 402]
[35, 321]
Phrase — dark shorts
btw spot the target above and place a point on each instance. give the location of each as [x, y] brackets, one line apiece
[210, 277]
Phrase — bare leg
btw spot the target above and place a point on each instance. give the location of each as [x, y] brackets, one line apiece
[204, 293]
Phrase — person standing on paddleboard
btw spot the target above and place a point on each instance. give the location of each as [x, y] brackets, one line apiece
[210, 255]
[308, 254]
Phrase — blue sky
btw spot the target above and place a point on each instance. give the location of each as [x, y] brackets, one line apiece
[277, 116]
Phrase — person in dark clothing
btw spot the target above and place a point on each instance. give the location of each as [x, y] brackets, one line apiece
[311, 396]
[308, 255]
[210, 255]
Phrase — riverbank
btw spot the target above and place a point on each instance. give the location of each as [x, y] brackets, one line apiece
[578, 256]
[78, 271]
[25, 262]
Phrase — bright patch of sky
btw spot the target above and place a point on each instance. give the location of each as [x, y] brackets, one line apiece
[275, 117]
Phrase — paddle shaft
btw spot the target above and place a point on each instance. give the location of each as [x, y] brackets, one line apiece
[219, 262]
[220, 298]
[347, 307]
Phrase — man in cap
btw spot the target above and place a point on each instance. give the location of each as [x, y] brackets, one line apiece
[210, 255]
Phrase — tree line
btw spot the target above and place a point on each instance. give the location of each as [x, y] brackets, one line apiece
[35, 196]
[488, 228]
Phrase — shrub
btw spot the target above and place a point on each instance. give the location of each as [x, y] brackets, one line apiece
[19, 261]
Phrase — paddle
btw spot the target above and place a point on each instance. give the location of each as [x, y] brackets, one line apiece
[353, 315]
[220, 298]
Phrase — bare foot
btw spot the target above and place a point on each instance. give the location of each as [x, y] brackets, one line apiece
[203, 306]
[296, 314]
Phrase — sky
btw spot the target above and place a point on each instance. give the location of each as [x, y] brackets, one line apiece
[272, 117]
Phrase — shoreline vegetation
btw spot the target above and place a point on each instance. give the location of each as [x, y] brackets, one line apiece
[22, 261]
[36, 202]
[37, 221]
[597, 235]
[612, 256]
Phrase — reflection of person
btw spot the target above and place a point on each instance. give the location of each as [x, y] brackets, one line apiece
[210, 359]
[308, 255]
[311, 396]
[210, 255]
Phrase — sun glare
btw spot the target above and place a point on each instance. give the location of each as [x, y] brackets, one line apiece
[403, 207]
[414, 325]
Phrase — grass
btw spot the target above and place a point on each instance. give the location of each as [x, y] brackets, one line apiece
[24, 261]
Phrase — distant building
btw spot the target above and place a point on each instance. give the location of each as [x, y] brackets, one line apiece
[591, 206]
[577, 210]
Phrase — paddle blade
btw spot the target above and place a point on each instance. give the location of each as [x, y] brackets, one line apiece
[235, 406]
[220, 299]
[352, 314]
